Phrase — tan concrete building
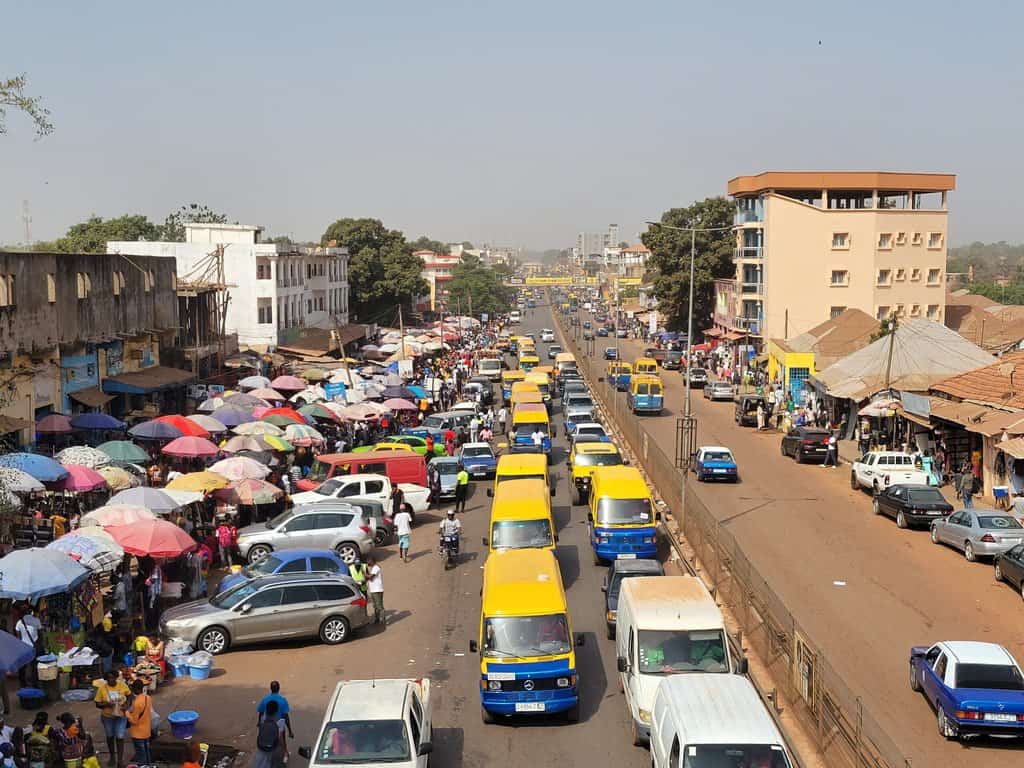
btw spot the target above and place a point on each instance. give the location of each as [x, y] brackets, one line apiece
[810, 245]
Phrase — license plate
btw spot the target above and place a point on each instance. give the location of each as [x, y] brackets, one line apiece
[529, 706]
[501, 675]
[719, 471]
[934, 512]
[627, 556]
[1000, 717]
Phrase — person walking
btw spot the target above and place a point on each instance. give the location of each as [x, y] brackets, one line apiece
[271, 740]
[461, 489]
[474, 429]
[283, 707]
[397, 499]
[140, 723]
[832, 452]
[503, 419]
[760, 416]
[375, 585]
[110, 699]
[403, 529]
[965, 485]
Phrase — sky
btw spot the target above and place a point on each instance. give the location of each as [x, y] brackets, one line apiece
[513, 124]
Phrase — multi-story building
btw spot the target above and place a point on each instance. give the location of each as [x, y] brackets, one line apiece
[437, 271]
[78, 331]
[631, 260]
[275, 290]
[812, 244]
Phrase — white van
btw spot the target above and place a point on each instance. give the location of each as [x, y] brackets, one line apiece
[667, 625]
[711, 720]
[490, 367]
[514, 316]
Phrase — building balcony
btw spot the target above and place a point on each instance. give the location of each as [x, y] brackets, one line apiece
[752, 288]
[748, 253]
[749, 324]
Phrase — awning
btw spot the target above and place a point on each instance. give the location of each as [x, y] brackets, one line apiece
[964, 414]
[93, 397]
[10, 424]
[154, 379]
[1013, 447]
[733, 336]
[713, 332]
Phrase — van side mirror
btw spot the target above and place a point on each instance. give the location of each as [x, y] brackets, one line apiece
[625, 462]
[484, 541]
[621, 664]
[657, 517]
[305, 752]
[425, 748]
[554, 430]
[590, 517]
[552, 491]
[490, 493]
[473, 647]
[246, 607]
[580, 637]
[744, 666]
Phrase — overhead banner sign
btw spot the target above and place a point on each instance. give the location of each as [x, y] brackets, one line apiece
[629, 281]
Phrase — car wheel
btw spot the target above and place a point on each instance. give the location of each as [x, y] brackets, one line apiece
[875, 507]
[874, 488]
[572, 714]
[486, 717]
[782, 449]
[935, 536]
[610, 629]
[969, 552]
[213, 640]
[348, 553]
[901, 520]
[947, 729]
[853, 481]
[915, 684]
[997, 571]
[638, 740]
[576, 496]
[334, 630]
[258, 553]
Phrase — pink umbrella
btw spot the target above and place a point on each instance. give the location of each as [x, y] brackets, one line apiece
[240, 468]
[191, 447]
[54, 424]
[81, 479]
[267, 394]
[116, 514]
[399, 404]
[156, 538]
[291, 383]
[259, 410]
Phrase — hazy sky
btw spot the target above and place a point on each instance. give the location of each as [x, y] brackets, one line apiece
[516, 122]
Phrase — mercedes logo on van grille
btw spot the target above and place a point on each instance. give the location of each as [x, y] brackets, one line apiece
[528, 685]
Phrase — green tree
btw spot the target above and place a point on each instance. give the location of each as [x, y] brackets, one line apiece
[13, 96]
[193, 213]
[473, 285]
[424, 243]
[91, 236]
[669, 264]
[383, 273]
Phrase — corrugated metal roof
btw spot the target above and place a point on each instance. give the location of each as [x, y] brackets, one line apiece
[1013, 447]
[1000, 383]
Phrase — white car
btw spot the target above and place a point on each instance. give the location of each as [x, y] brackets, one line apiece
[367, 486]
[546, 334]
[590, 431]
[877, 470]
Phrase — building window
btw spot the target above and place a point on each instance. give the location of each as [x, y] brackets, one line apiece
[884, 277]
[934, 239]
[915, 310]
[885, 240]
[265, 313]
[12, 294]
[152, 279]
[840, 240]
[934, 275]
[262, 271]
[51, 288]
[901, 238]
[933, 311]
[840, 277]
[83, 285]
[901, 275]
[915, 239]
[882, 313]
[915, 274]
[145, 282]
[898, 311]
[309, 306]
[5, 298]
[174, 281]
[836, 312]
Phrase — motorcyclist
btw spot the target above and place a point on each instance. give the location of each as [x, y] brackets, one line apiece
[450, 526]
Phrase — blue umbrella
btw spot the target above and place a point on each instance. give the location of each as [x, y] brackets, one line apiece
[403, 392]
[95, 421]
[14, 654]
[29, 574]
[420, 392]
[155, 430]
[42, 468]
[232, 416]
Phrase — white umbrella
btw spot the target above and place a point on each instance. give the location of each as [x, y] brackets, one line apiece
[83, 456]
[16, 481]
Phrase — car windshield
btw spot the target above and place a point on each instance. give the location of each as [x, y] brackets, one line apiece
[624, 512]
[579, 401]
[433, 422]
[267, 565]
[235, 595]
[661, 651]
[328, 487]
[735, 756]
[925, 496]
[718, 456]
[698, 372]
[518, 636]
[616, 586]
[520, 534]
[527, 430]
[503, 478]
[318, 472]
[447, 467]
[597, 459]
[475, 452]
[364, 741]
[1003, 677]
[998, 521]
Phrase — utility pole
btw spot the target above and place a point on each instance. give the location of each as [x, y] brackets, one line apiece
[892, 341]
[401, 330]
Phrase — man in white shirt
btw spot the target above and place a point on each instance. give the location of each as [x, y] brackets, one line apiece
[403, 529]
[538, 438]
[375, 588]
[28, 629]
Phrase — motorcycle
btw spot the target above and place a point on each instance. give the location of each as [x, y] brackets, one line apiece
[449, 550]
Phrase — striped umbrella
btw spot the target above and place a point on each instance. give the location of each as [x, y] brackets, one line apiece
[301, 434]
[275, 443]
[93, 553]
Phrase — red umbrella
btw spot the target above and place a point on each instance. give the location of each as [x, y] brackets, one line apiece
[54, 424]
[292, 383]
[191, 447]
[288, 413]
[156, 538]
[185, 426]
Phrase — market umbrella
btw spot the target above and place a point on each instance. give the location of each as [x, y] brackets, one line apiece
[250, 492]
[185, 426]
[259, 428]
[184, 498]
[197, 481]
[254, 382]
[81, 479]
[267, 394]
[155, 430]
[191, 447]
[301, 434]
[387, 349]
[245, 400]
[100, 535]
[291, 383]
[117, 479]
[16, 481]
[369, 348]
[42, 468]
[338, 409]
[29, 574]
[318, 411]
[275, 443]
[208, 423]
[153, 499]
[232, 415]
[9, 500]
[90, 552]
[125, 451]
[54, 424]
[14, 654]
[240, 468]
[96, 421]
[288, 413]
[83, 456]
[242, 443]
[879, 408]
[156, 538]
[400, 404]
[313, 374]
[210, 404]
[263, 457]
[278, 420]
[117, 514]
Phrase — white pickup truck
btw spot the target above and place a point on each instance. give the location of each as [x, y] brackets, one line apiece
[368, 486]
[877, 470]
[373, 722]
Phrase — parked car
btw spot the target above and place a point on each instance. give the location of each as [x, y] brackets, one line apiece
[418, 444]
[911, 504]
[978, 532]
[698, 377]
[326, 524]
[478, 459]
[673, 360]
[586, 324]
[718, 390]
[1009, 567]
[611, 353]
[805, 444]
[713, 462]
[876, 470]
[287, 561]
[975, 688]
[746, 409]
[270, 608]
[618, 571]
[602, 332]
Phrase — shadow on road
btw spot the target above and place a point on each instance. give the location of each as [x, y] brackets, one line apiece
[569, 563]
[448, 746]
[593, 681]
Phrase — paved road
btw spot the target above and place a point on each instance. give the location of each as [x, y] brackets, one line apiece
[804, 528]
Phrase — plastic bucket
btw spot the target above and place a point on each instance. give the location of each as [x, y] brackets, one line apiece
[198, 673]
[183, 723]
[31, 698]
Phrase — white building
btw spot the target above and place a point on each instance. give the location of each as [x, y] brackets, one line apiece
[437, 271]
[272, 288]
[592, 245]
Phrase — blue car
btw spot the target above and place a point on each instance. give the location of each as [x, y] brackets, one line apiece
[478, 460]
[976, 688]
[287, 561]
[715, 463]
